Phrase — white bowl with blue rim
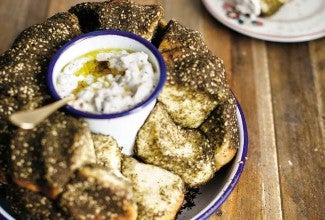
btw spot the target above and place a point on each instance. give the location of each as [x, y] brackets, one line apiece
[123, 125]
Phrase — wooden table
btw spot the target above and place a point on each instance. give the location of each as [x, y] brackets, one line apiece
[281, 88]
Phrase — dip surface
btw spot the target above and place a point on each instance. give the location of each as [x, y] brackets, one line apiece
[250, 7]
[107, 81]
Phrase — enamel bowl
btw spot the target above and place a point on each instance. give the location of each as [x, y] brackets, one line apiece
[124, 125]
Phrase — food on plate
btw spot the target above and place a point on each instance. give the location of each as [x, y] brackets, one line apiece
[44, 39]
[259, 7]
[60, 170]
[158, 193]
[29, 205]
[221, 129]
[269, 7]
[23, 70]
[196, 80]
[96, 193]
[185, 152]
[107, 151]
[121, 15]
[43, 159]
[107, 80]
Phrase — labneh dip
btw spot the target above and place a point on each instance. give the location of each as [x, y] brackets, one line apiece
[107, 81]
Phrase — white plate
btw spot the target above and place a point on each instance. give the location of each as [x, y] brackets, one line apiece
[296, 21]
[210, 196]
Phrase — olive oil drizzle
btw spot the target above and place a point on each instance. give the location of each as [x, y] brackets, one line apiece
[95, 68]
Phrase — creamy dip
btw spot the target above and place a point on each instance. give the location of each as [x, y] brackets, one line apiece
[107, 81]
[254, 8]
[251, 7]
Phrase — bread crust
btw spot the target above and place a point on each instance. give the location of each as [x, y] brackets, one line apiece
[120, 15]
[43, 159]
[221, 129]
[159, 193]
[196, 81]
[22, 73]
[185, 152]
[96, 193]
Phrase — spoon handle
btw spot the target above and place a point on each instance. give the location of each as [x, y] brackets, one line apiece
[29, 119]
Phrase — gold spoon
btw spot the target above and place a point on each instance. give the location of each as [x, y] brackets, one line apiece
[29, 119]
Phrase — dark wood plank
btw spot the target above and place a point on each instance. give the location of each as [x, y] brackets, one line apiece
[245, 199]
[56, 6]
[270, 191]
[185, 12]
[17, 15]
[298, 132]
[317, 56]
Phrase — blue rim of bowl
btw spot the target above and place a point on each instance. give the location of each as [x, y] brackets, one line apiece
[226, 192]
[146, 43]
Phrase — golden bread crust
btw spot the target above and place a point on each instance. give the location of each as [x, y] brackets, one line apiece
[29, 205]
[196, 81]
[119, 15]
[221, 129]
[43, 159]
[159, 193]
[185, 152]
[23, 70]
[95, 193]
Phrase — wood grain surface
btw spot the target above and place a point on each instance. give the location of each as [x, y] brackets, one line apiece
[281, 88]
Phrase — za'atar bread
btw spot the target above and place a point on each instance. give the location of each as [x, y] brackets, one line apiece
[60, 170]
